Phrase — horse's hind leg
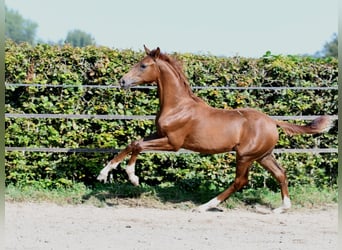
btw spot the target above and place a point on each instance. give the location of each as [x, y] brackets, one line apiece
[278, 172]
[241, 179]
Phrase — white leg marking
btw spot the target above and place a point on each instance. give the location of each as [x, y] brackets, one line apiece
[104, 172]
[284, 207]
[287, 202]
[210, 204]
[130, 170]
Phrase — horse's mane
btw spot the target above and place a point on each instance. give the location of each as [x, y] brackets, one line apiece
[178, 69]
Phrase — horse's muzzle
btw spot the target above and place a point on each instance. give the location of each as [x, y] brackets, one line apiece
[124, 84]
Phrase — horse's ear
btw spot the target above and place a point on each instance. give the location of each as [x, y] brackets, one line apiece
[147, 50]
[157, 53]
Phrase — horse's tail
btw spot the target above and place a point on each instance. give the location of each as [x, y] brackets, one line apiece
[319, 125]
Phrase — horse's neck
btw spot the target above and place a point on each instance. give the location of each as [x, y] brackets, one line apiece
[171, 90]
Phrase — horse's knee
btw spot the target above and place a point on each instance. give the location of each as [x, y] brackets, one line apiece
[135, 147]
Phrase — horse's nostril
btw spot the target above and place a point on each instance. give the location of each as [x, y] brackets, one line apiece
[122, 82]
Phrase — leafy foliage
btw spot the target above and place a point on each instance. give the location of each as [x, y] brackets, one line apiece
[45, 64]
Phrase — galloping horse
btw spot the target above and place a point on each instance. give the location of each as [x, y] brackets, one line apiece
[186, 121]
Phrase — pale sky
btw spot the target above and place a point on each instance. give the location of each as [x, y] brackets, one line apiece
[219, 27]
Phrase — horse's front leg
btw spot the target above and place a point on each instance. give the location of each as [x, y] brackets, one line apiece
[112, 164]
[150, 143]
[130, 170]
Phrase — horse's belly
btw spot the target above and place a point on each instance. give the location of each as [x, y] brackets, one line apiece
[211, 142]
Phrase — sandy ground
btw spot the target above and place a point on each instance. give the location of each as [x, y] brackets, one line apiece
[50, 226]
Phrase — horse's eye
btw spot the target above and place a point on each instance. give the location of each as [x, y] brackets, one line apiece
[143, 66]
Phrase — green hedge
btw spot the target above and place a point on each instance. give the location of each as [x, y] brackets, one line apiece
[67, 65]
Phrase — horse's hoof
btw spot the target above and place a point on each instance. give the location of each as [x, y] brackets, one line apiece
[102, 178]
[134, 180]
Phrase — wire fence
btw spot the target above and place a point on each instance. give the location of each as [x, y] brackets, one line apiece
[150, 117]
[138, 117]
[181, 151]
[116, 86]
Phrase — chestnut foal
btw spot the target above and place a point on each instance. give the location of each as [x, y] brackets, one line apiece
[186, 121]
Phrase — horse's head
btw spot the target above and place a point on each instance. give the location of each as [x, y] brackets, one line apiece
[145, 71]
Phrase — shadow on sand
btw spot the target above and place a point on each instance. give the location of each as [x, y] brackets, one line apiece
[112, 194]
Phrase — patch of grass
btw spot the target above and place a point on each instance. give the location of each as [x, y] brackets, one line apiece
[309, 196]
[166, 196]
[301, 197]
[70, 195]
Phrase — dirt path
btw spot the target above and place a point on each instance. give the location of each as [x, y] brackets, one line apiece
[50, 226]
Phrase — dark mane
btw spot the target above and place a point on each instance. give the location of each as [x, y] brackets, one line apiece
[178, 68]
